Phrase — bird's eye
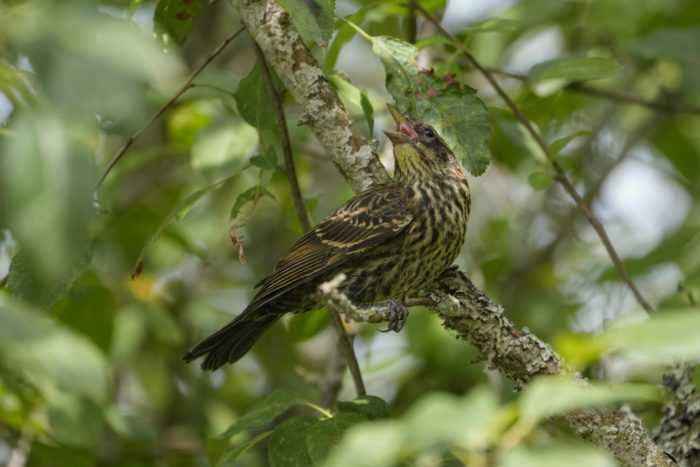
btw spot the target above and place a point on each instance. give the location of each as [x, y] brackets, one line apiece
[429, 133]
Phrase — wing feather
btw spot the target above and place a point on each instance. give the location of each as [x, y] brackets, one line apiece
[367, 220]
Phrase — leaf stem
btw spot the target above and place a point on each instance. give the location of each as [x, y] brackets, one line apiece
[357, 28]
[319, 409]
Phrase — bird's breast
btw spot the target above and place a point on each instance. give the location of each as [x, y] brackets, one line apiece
[435, 237]
[415, 258]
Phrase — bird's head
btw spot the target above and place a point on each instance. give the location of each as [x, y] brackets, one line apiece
[419, 151]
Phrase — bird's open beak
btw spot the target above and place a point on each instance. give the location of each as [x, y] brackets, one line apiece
[404, 128]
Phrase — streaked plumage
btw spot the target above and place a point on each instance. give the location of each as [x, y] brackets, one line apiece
[391, 241]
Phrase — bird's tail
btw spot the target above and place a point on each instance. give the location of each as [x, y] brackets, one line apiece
[231, 342]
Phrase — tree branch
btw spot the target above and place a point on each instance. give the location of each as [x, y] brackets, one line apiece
[460, 304]
[678, 431]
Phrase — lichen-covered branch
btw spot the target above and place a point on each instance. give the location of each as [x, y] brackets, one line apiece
[463, 307]
[270, 27]
[340, 302]
[473, 316]
[678, 431]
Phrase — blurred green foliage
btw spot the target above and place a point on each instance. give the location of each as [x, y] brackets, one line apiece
[104, 291]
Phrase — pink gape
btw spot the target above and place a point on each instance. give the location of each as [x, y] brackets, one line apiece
[405, 128]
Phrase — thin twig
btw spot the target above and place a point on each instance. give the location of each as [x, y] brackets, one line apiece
[332, 380]
[281, 122]
[302, 214]
[661, 105]
[348, 349]
[559, 173]
[411, 25]
[165, 107]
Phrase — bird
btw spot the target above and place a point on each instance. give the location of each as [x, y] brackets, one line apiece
[391, 241]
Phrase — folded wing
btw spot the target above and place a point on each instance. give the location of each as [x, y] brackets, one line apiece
[367, 220]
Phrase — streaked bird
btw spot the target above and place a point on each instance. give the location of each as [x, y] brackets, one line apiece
[391, 241]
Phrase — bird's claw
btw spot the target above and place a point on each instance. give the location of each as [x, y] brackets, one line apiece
[398, 314]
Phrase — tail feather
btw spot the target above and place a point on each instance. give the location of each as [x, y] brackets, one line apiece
[231, 342]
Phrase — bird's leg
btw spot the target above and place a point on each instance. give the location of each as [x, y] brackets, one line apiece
[396, 314]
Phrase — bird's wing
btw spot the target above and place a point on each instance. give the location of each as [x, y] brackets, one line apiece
[368, 219]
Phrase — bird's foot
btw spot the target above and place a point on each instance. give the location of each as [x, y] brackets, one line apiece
[397, 314]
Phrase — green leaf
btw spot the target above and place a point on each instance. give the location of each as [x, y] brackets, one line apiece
[558, 145]
[368, 445]
[574, 69]
[453, 109]
[175, 17]
[667, 336]
[235, 452]
[674, 43]
[304, 326]
[346, 31]
[162, 326]
[578, 350]
[264, 412]
[24, 283]
[267, 160]
[134, 5]
[254, 101]
[324, 436]
[504, 25]
[353, 98]
[551, 395]
[186, 120]
[52, 358]
[75, 421]
[253, 195]
[16, 84]
[177, 214]
[368, 110]
[129, 334]
[222, 148]
[46, 177]
[312, 19]
[439, 420]
[89, 308]
[677, 144]
[130, 426]
[540, 180]
[371, 407]
[287, 446]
